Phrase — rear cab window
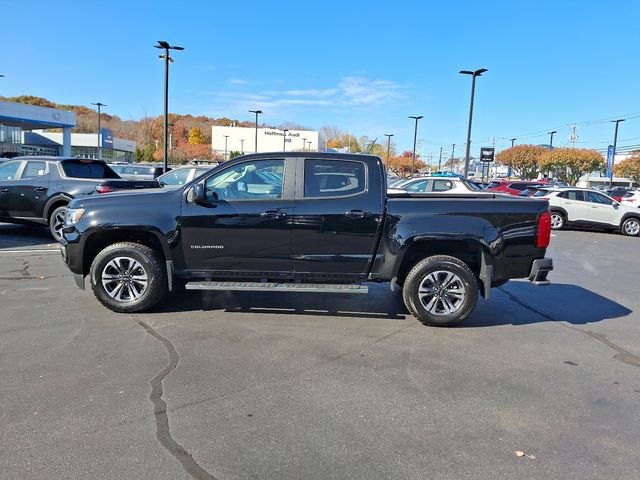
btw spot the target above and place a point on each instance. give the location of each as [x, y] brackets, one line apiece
[333, 178]
[87, 169]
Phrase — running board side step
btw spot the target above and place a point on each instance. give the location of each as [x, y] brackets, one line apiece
[278, 287]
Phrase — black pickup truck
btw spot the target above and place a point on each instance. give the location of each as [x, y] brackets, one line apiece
[305, 222]
[36, 190]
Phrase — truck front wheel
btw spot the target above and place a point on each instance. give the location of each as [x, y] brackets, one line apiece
[128, 277]
[440, 291]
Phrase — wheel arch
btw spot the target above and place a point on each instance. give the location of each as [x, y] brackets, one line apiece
[55, 202]
[99, 240]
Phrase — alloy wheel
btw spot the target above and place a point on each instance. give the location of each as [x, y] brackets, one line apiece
[632, 227]
[125, 279]
[442, 292]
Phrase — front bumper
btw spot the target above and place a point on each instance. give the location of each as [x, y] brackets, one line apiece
[539, 271]
[71, 255]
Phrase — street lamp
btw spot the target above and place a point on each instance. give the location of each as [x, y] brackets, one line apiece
[98, 104]
[225, 146]
[310, 142]
[551, 140]
[257, 112]
[162, 45]
[513, 141]
[440, 160]
[615, 143]
[242, 146]
[388, 135]
[304, 144]
[415, 135]
[474, 74]
[284, 139]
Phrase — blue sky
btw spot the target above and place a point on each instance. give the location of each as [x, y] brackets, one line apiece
[361, 66]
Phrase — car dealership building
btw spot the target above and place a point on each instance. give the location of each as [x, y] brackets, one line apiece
[243, 140]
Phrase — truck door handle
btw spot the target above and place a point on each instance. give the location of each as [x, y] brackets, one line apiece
[4, 190]
[356, 214]
[40, 189]
[273, 214]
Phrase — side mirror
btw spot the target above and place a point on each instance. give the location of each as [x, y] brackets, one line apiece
[198, 195]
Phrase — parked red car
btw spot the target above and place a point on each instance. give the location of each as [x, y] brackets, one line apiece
[513, 187]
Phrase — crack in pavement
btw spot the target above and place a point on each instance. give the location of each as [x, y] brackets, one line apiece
[24, 271]
[623, 355]
[163, 433]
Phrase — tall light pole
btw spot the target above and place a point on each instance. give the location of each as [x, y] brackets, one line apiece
[304, 144]
[440, 159]
[162, 45]
[310, 142]
[284, 139]
[388, 135]
[226, 137]
[415, 136]
[257, 112]
[615, 144]
[551, 139]
[98, 104]
[474, 74]
[510, 170]
[513, 142]
[242, 146]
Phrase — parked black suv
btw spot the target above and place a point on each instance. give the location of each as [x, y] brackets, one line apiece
[36, 190]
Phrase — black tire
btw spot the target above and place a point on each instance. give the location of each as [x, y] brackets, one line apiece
[631, 227]
[56, 222]
[440, 291]
[558, 221]
[128, 277]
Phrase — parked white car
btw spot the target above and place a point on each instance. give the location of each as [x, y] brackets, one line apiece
[631, 199]
[432, 185]
[584, 207]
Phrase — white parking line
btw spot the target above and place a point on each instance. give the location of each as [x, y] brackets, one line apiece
[57, 250]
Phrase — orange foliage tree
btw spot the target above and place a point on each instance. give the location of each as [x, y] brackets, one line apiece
[401, 164]
[629, 167]
[523, 159]
[569, 164]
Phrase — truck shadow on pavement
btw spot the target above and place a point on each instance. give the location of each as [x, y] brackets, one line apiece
[516, 303]
[520, 303]
[15, 236]
[378, 303]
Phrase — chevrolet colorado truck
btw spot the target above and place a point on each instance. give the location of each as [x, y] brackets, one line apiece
[36, 189]
[305, 222]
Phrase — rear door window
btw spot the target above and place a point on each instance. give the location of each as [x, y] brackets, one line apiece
[442, 185]
[574, 195]
[87, 169]
[34, 169]
[333, 178]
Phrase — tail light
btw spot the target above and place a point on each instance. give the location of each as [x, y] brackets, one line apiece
[543, 236]
[104, 189]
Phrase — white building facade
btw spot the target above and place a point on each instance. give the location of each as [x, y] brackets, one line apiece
[243, 139]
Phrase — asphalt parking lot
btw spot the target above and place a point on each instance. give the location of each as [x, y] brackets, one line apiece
[237, 386]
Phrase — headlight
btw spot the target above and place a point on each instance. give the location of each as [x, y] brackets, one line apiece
[73, 215]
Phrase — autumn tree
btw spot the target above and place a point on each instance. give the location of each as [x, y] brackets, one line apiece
[569, 164]
[401, 165]
[523, 159]
[629, 167]
[195, 136]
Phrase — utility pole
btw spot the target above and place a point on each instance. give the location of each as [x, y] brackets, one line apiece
[551, 139]
[388, 135]
[415, 135]
[440, 160]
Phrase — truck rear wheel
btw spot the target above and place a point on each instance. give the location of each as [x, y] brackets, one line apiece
[128, 277]
[440, 291]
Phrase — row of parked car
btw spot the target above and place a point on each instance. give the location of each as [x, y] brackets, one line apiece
[615, 209]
